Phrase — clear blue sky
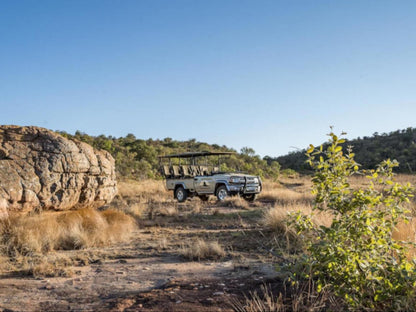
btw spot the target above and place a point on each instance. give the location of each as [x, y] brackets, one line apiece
[271, 75]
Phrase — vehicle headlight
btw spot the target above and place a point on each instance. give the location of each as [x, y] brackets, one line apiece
[236, 180]
[256, 180]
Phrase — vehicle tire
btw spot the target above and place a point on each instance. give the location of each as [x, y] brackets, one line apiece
[222, 193]
[250, 197]
[181, 194]
[203, 197]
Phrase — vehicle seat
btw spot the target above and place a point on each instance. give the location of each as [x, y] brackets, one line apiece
[186, 171]
[203, 170]
[195, 170]
[166, 171]
[176, 171]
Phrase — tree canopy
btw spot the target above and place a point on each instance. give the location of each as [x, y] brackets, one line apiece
[369, 151]
[137, 158]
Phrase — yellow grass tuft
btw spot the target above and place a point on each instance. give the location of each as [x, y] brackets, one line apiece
[67, 230]
[265, 301]
[201, 249]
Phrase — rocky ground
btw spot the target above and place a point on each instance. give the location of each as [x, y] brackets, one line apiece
[149, 273]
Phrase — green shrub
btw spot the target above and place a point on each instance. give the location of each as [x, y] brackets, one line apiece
[356, 256]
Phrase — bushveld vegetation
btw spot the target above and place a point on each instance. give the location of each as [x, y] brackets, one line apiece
[369, 152]
[137, 158]
[38, 249]
[346, 246]
[356, 257]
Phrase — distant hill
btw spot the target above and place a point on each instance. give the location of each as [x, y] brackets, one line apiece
[137, 159]
[369, 151]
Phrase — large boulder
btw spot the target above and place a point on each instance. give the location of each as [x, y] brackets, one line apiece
[42, 170]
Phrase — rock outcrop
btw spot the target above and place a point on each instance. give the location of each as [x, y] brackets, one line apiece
[40, 169]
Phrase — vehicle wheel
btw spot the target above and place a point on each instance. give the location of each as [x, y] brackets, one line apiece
[204, 197]
[181, 194]
[250, 198]
[222, 193]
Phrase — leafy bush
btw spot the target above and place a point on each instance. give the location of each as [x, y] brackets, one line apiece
[370, 151]
[137, 159]
[356, 256]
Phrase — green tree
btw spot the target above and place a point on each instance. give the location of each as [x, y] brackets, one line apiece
[248, 151]
[356, 256]
[137, 158]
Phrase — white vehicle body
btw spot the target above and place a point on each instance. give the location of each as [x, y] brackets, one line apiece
[191, 179]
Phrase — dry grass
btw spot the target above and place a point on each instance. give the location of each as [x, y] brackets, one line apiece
[303, 298]
[136, 210]
[141, 199]
[294, 194]
[120, 227]
[51, 267]
[265, 301]
[235, 202]
[405, 178]
[163, 243]
[168, 211]
[285, 239]
[196, 207]
[144, 191]
[406, 232]
[285, 196]
[275, 218]
[45, 232]
[200, 250]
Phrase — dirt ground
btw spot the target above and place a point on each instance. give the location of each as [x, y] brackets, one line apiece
[149, 273]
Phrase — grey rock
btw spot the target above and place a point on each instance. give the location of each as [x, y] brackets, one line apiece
[40, 169]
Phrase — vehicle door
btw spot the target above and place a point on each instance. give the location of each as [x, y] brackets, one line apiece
[204, 184]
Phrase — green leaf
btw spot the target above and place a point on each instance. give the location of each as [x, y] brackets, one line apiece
[310, 150]
[356, 255]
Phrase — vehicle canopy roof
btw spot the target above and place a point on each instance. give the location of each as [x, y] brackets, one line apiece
[196, 154]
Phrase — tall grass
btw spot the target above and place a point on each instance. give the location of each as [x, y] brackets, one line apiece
[144, 191]
[45, 232]
[285, 196]
[286, 240]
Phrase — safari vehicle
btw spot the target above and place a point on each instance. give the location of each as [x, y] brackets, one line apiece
[193, 174]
